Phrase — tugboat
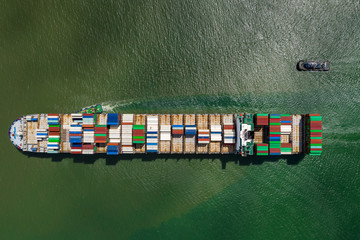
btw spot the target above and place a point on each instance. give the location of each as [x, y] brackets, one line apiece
[313, 65]
[97, 109]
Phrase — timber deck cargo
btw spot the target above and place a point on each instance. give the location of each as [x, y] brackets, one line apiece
[240, 133]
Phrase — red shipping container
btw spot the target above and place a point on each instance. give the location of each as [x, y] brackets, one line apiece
[100, 131]
[79, 152]
[315, 124]
[316, 128]
[275, 128]
[286, 145]
[75, 135]
[100, 128]
[177, 131]
[124, 123]
[315, 141]
[138, 134]
[262, 151]
[203, 140]
[275, 120]
[88, 126]
[138, 131]
[53, 114]
[54, 133]
[275, 150]
[262, 144]
[54, 129]
[227, 127]
[314, 114]
[315, 135]
[87, 146]
[113, 144]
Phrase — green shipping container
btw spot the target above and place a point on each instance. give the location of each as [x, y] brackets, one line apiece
[315, 130]
[275, 145]
[54, 140]
[138, 137]
[285, 149]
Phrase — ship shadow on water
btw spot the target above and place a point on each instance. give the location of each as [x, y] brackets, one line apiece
[223, 159]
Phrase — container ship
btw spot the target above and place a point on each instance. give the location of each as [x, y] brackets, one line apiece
[113, 134]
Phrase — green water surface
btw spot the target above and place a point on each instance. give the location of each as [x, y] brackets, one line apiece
[181, 57]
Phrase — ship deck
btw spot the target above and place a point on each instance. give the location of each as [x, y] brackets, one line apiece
[163, 133]
[164, 145]
[177, 141]
[140, 119]
[202, 121]
[215, 147]
[189, 142]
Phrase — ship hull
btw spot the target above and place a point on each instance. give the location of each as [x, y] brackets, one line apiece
[243, 134]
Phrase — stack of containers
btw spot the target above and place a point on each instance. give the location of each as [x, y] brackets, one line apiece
[262, 149]
[139, 134]
[215, 131]
[75, 138]
[53, 145]
[165, 132]
[77, 118]
[112, 149]
[88, 120]
[127, 125]
[152, 134]
[262, 119]
[285, 121]
[88, 130]
[34, 118]
[203, 136]
[100, 133]
[229, 133]
[315, 141]
[177, 129]
[286, 148]
[190, 129]
[275, 134]
[88, 148]
[89, 135]
[115, 134]
[41, 134]
[76, 148]
[113, 120]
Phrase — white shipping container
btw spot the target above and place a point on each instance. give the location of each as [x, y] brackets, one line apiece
[165, 128]
[285, 128]
[215, 128]
[165, 136]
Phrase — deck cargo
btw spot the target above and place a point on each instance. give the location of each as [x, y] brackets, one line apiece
[113, 134]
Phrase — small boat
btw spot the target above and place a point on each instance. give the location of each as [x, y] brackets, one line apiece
[313, 65]
[97, 109]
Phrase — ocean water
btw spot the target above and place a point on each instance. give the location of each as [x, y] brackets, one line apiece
[181, 57]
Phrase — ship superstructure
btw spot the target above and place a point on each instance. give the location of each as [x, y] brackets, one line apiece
[241, 133]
